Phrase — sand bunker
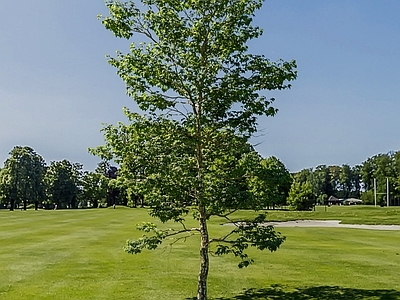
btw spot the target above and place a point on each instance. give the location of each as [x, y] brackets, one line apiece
[331, 223]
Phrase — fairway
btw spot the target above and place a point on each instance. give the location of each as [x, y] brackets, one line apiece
[77, 254]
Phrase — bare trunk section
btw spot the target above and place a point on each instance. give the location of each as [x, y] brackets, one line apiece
[204, 260]
[12, 204]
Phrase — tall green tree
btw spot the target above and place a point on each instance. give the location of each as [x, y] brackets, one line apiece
[356, 181]
[300, 196]
[63, 183]
[367, 174]
[108, 175]
[345, 180]
[22, 177]
[200, 87]
[304, 175]
[4, 194]
[94, 188]
[380, 167]
[321, 182]
[334, 175]
[275, 181]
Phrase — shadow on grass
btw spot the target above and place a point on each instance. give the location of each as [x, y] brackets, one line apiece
[277, 292]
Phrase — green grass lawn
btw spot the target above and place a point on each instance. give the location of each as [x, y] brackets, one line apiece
[78, 254]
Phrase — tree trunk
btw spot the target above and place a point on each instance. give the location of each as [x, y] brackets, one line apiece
[204, 260]
[73, 202]
[12, 204]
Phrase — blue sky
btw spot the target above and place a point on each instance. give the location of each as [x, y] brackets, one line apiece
[56, 88]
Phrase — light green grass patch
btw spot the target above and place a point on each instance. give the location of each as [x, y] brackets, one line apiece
[78, 254]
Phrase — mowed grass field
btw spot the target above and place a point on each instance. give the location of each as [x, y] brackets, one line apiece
[77, 254]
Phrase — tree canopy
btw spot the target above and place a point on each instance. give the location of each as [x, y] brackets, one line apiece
[22, 177]
[201, 91]
[63, 183]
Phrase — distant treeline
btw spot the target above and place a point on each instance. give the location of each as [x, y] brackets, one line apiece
[27, 181]
[356, 181]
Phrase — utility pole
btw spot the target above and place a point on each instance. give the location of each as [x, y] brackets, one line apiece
[387, 192]
[375, 191]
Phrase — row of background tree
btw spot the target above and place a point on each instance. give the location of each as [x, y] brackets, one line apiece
[26, 180]
[357, 181]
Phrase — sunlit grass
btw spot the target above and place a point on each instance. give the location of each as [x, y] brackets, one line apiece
[78, 255]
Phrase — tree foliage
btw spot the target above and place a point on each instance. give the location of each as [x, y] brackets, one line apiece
[200, 87]
[26, 179]
[339, 181]
[271, 183]
[22, 177]
[300, 196]
[357, 181]
[63, 183]
[381, 167]
[94, 188]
